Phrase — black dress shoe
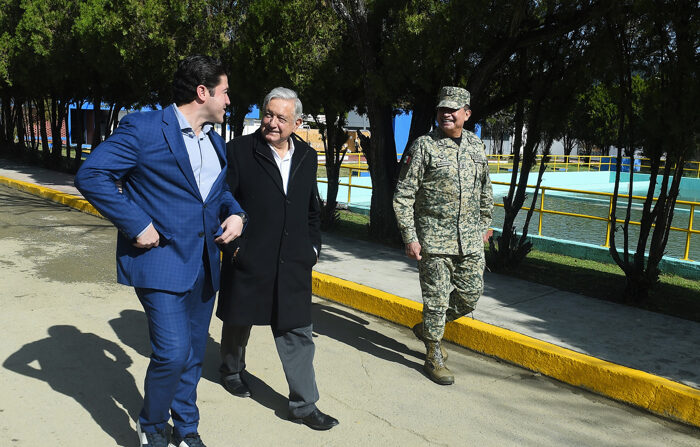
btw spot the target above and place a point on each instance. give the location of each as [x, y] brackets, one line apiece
[317, 420]
[236, 386]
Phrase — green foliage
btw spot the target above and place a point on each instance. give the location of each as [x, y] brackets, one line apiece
[596, 115]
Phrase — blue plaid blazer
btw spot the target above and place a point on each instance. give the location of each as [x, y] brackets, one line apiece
[148, 155]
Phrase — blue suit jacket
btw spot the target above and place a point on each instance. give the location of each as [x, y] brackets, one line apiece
[148, 154]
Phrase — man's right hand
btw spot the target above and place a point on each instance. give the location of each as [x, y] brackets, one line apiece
[413, 250]
[148, 239]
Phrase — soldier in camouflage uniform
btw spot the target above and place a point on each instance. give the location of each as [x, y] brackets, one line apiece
[443, 204]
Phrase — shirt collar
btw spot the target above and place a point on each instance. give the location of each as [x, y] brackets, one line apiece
[442, 134]
[185, 126]
[289, 153]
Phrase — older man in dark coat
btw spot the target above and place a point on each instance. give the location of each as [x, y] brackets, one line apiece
[266, 274]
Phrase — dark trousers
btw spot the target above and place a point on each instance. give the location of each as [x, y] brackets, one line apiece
[295, 348]
[178, 325]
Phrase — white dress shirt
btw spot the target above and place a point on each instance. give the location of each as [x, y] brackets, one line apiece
[284, 164]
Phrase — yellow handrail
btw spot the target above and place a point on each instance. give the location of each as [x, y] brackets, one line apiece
[689, 230]
[687, 238]
[351, 168]
[569, 163]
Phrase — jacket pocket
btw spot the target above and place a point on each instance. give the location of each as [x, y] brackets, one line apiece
[237, 249]
[481, 167]
[164, 236]
[314, 258]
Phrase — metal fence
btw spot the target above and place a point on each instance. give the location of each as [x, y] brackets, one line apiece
[542, 210]
[577, 163]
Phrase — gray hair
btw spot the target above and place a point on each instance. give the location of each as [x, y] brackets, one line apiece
[284, 93]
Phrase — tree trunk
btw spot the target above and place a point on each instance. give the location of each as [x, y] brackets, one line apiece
[112, 118]
[568, 145]
[636, 287]
[666, 203]
[80, 139]
[383, 169]
[422, 119]
[97, 115]
[34, 145]
[334, 138]
[523, 245]
[511, 249]
[238, 119]
[4, 120]
[647, 219]
[67, 124]
[504, 244]
[381, 153]
[56, 121]
[21, 125]
[41, 112]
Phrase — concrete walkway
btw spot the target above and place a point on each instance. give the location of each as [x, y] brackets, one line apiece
[660, 345]
[647, 341]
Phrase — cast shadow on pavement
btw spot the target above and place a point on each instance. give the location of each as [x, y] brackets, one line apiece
[91, 370]
[342, 249]
[337, 324]
[261, 392]
[354, 331]
[131, 328]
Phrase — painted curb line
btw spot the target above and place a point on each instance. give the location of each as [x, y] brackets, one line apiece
[63, 198]
[652, 393]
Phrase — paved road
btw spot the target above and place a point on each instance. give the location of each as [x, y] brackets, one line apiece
[74, 350]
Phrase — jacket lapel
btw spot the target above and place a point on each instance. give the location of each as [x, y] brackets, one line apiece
[173, 136]
[297, 159]
[264, 156]
[220, 148]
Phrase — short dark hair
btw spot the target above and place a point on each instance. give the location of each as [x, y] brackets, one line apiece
[193, 71]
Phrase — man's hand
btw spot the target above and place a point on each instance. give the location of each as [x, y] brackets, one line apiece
[233, 227]
[413, 250]
[148, 239]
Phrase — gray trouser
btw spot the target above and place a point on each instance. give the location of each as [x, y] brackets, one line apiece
[295, 348]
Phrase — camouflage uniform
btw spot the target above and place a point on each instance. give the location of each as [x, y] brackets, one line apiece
[444, 201]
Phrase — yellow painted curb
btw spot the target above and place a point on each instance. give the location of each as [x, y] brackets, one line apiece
[655, 394]
[51, 194]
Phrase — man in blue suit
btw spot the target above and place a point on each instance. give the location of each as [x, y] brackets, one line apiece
[172, 212]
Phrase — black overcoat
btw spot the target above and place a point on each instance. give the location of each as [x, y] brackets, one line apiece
[268, 281]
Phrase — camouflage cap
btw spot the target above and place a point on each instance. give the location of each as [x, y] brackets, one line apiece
[453, 97]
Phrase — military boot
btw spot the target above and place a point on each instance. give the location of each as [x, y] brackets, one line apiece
[418, 332]
[435, 367]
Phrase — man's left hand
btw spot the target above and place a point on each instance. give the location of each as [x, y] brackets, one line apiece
[233, 227]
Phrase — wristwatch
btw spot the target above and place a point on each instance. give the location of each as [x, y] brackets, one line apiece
[243, 217]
